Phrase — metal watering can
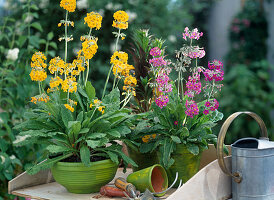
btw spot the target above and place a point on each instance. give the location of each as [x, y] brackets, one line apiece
[252, 163]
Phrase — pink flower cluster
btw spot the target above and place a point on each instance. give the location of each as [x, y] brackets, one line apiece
[194, 34]
[214, 72]
[162, 101]
[192, 108]
[211, 105]
[162, 83]
[197, 53]
[158, 61]
[155, 51]
[193, 85]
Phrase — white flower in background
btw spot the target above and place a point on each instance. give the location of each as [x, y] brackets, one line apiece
[101, 12]
[131, 15]
[20, 138]
[12, 157]
[133, 2]
[109, 6]
[172, 38]
[28, 19]
[18, 29]
[112, 47]
[3, 159]
[117, 6]
[13, 54]
[82, 4]
[44, 4]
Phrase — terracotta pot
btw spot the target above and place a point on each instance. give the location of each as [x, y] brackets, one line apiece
[77, 178]
[153, 178]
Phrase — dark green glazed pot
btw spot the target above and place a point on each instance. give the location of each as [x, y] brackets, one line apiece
[77, 178]
[143, 160]
[186, 164]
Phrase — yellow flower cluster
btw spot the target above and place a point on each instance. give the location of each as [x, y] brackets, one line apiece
[147, 138]
[119, 57]
[40, 98]
[56, 65]
[130, 83]
[79, 64]
[38, 66]
[120, 20]
[121, 69]
[69, 85]
[66, 23]
[68, 5]
[89, 48]
[55, 82]
[70, 105]
[97, 104]
[94, 20]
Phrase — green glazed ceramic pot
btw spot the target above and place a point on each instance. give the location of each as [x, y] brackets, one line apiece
[77, 178]
[186, 164]
[143, 160]
[153, 178]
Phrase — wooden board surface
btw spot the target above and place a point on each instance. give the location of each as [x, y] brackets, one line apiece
[55, 191]
[210, 183]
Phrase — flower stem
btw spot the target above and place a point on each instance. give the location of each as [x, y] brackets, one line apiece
[39, 84]
[87, 62]
[68, 97]
[213, 85]
[116, 44]
[87, 73]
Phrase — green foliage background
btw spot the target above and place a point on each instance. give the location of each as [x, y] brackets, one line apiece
[248, 85]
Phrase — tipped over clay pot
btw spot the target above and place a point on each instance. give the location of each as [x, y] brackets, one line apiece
[153, 178]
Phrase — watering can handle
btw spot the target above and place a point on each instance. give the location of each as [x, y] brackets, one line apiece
[220, 153]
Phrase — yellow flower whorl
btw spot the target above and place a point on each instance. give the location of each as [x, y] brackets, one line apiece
[69, 5]
[93, 20]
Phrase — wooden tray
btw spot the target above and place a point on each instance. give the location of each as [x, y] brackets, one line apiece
[42, 186]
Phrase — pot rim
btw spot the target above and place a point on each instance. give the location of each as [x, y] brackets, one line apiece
[80, 164]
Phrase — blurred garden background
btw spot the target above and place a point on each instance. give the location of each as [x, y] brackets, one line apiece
[237, 32]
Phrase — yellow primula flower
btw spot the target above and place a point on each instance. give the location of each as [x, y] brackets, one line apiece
[55, 82]
[38, 60]
[119, 57]
[79, 64]
[120, 19]
[97, 102]
[68, 5]
[89, 48]
[69, 107]
[101, 109]
[94, 20]
[130, 81]
[56, 65]
[38, 75]
[40, 98]
[69, 85]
